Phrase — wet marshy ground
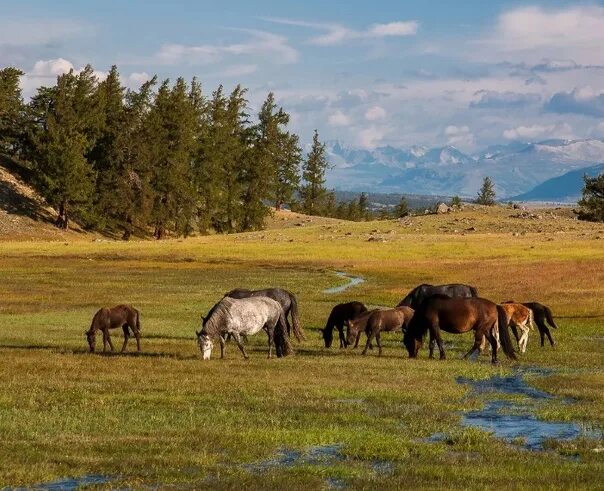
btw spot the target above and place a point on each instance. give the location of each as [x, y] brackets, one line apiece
[352, 281]
[513, 419]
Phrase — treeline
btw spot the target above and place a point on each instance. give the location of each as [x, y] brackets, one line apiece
[163, 159]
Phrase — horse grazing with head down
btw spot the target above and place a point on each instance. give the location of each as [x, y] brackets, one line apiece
[378, 321]
[286, 299]
[420, 293]
[457, 316]
[123, 316]
[245, 316]
[541, 314]
[339, 315]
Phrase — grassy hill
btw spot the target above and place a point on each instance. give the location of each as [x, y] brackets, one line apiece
[24, 215]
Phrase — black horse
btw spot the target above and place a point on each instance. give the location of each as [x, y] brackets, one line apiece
[422, 292]
[541, 314]
[286, 299]
[339, 315]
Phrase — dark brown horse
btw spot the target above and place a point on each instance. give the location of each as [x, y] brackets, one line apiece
[541, 313]
[123, 316]
[384, 320]
[422, 292]
[457, 316]
[337, 318]
[286, 299]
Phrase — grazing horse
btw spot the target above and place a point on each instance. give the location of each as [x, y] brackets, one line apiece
[457, 316]
[123, 316]
[354, 327]
[422, 292]
[244, 316]
[519, 317]
[339, 315]
[541, 313]
[385, 320]
[286, 299]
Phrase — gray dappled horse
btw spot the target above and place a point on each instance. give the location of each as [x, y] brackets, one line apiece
[244, 317]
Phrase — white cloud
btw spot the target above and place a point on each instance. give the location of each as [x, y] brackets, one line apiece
[51, 68]
[338, 33]
[339, 119]
[34, 32]
[533, 33]
[408, 28]
[261, 43]
[536, 131]
[238, 70]
[136, 79]
[45, 73]
[369, 137]
[375, 113]
[460, 136]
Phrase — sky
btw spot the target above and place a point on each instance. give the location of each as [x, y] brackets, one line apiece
[469, 73]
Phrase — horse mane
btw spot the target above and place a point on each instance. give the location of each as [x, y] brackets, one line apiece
[216, 313]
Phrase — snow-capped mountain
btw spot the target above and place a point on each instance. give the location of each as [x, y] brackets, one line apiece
[515, 168]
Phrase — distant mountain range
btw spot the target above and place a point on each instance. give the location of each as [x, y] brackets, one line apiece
[517, 169]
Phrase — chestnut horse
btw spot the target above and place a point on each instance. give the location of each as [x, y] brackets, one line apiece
[337, 318]
[384, 320]
[123, 316]
[457, 316]
[541, 313]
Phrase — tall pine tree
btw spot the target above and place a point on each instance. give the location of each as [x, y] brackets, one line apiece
[11, 110]
[313, 190]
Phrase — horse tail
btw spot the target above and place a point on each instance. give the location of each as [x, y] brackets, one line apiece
[138, 320]
[504, 334]
[550, 317]
[530, 319]
[282, 343]
[474, 291]
[296, 318]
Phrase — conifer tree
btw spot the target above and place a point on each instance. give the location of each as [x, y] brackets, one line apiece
[402, 209]
[486, 195]
[11, 110]
[62, 139]
[363, 206]
[313, 190]
[592, 201]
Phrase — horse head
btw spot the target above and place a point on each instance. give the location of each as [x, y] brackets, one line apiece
[91, 338]
[205, 344]
[351, 331]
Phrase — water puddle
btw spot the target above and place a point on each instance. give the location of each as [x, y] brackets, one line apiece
[69, 483]
[318, 455]
[352, 281]
[515, 420]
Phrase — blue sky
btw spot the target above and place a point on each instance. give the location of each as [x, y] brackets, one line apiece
[467, 73]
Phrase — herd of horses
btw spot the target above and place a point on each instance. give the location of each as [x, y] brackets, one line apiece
[427, 309]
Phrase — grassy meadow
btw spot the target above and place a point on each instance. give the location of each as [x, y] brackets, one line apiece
[164, 418]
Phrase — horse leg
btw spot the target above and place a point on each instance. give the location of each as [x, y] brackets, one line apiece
[237, 339]
[494, 345]
[126, 336]
[377, 340]
[340, 328]
[431, 345]
[109, 341]
[439, 342]
[222, 343]
[514, 330]
[358, 338]
[369, 338]
[271, 341]
[104, 340]
[478, 335]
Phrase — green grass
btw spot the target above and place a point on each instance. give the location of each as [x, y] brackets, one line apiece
[164, 417]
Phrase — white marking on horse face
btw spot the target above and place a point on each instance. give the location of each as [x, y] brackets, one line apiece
[205, 345]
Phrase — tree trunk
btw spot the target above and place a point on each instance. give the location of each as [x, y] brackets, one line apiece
[62, 221]
[160, 231]
[278, 205]
[127, 229]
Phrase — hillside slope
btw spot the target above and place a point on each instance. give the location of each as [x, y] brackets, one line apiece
[565, 188]
[24, 215]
